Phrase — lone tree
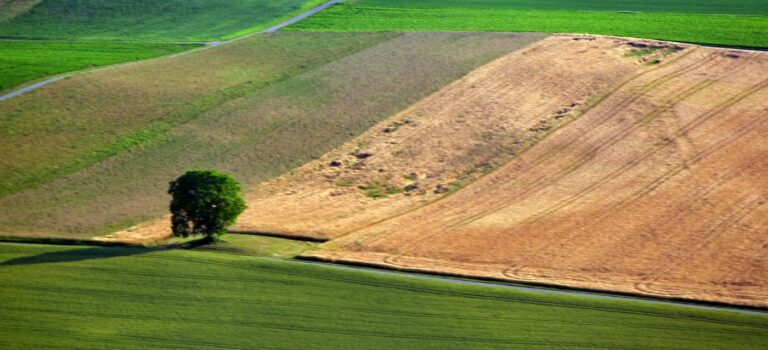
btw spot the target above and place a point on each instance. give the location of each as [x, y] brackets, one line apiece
[204, 202]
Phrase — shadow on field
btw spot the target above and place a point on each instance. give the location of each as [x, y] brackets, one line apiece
[75, 255]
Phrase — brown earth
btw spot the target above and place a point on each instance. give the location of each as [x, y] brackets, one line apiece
[659, 189]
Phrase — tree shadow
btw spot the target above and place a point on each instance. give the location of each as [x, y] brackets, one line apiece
[75, 255]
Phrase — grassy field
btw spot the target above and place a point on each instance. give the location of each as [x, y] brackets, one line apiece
[744, 24]
[175, 20]
[107, 21]
[252, 245]
[24, 61]
[94, 298]
[731, 7]
[121, 134]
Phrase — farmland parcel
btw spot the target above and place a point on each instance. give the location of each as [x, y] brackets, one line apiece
[87, 33]
[594, 169]
[95, 152]
[714, 22]
[96, 298]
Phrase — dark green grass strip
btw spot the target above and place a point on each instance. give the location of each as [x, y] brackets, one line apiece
[131, 298]
[726, 30]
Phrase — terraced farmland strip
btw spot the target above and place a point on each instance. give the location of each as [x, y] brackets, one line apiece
[134, 298]
[249, 117]
[446, 140]
[87, 118]
[656, 190]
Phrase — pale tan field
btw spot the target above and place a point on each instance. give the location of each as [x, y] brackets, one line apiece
[443, 142]
[659, 189]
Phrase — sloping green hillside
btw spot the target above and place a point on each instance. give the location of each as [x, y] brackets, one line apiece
[129, 298]
[161, 20]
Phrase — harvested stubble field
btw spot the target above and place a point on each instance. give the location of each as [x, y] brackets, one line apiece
[129, 298]
[658, 189]
[78, 161]
[442, 142]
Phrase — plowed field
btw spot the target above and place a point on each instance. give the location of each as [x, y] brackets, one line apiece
[658, 189]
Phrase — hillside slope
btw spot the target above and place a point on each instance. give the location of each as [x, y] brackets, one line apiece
[442, 142]
[658, 189]
[78, 161]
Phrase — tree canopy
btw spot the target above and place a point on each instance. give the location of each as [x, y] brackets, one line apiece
[204, 202]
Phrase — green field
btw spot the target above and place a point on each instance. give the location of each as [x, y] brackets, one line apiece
[731, 7]
[94, 153]
[253, 245]
[24, 61]
[167, 20]
[714, 22]
[132, 298]
[108, 22]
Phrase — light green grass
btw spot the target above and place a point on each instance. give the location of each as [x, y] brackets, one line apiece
[732, 7]
[128, 298]
[163, 20]
[24, 61]
[108, 21]
[255, 109]
[748, 27]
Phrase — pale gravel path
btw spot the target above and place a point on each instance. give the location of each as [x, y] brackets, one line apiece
[269, 30]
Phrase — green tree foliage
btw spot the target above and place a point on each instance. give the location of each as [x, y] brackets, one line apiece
[204, 202]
